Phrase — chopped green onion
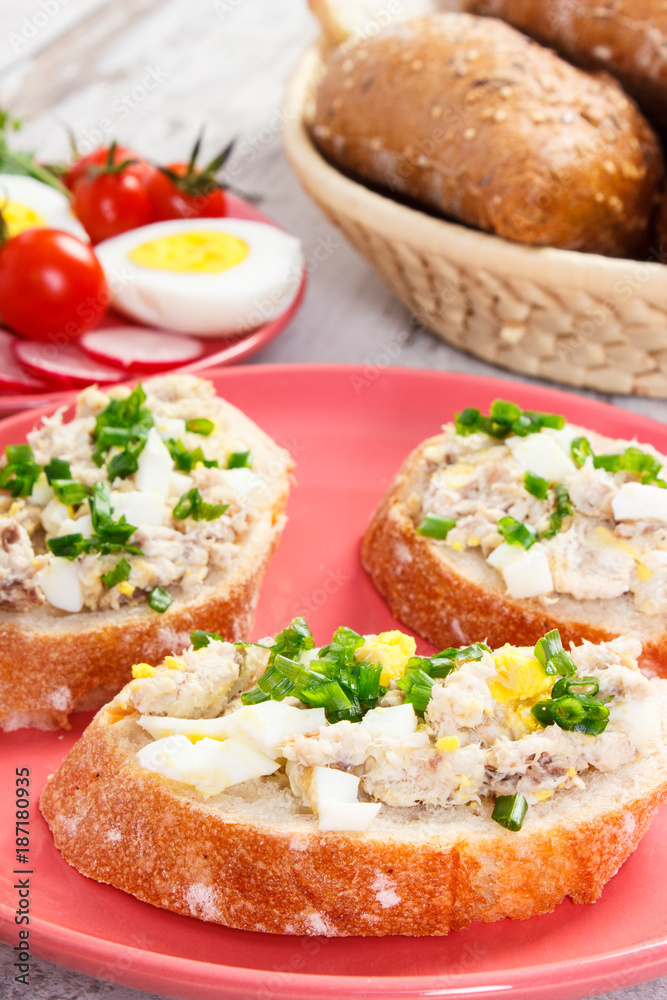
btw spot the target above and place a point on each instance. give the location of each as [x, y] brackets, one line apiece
[550, 653]
[68, 546]
[123, 423]
[185, 461]
[191, 504]
[329, 696]
[159, 599]
[200, 639]
[239, 460]
[563, 509]
[254, 697]
[537, 486]
[120, 572]
[293, 639]
[200, 425]
[435, 526]
[21, 472]
[611, 463]
[70, 492]
[510, 811]
[516, 533]
[575, 713]
[580, 450]
[57, 468]
[505, 419]
[568, 685]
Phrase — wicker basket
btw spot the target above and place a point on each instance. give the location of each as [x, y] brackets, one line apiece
[583, 319]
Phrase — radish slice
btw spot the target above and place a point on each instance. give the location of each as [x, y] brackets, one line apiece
[136, 349]
[65, 366]
[12, 376]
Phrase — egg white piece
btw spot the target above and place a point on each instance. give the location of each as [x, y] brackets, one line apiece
[639, 501]
[396, 721]
[60, 584]
[156, 466]
[241, 298]
[541, 455]
[53, 207]
[529, 575]
[138, 506]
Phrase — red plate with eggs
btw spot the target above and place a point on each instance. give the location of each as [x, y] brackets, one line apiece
[24, 383]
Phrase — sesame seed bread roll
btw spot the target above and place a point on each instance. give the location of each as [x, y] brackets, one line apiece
[471, 119]
[627, 37]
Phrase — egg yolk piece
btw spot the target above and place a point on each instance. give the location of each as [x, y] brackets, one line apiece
[519, 676]
[390, 649]
[203, 252]
[20, 217]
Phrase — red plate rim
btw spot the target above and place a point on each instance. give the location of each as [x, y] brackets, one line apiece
[561, 979]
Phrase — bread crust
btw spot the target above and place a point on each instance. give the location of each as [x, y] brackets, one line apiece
[428, 587]
[120, 824]
[470, 118]
[51, 667]
[628, 38]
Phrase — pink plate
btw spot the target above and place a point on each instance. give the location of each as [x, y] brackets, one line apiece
[227, 351]
[348, 432]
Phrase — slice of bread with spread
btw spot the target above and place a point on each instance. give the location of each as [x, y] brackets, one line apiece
[359, 789]
[509, 525]
[148, 511]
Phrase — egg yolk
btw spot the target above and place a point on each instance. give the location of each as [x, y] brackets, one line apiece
[20, 217]
[519, 676]
[205, 252]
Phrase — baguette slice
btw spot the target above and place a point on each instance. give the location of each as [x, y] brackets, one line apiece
[252, 858]
[453, 597]
[53, 663]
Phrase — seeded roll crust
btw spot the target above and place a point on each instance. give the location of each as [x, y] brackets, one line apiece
[469, 118]
[423, 870]
[626, 37]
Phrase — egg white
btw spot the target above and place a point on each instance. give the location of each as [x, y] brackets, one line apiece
[53, 206]
[236, 300]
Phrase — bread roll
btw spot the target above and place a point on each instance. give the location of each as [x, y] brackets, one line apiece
[626, 37]
[469, 118]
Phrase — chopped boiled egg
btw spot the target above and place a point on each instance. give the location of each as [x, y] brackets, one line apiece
[640, 502]
[639, 720]
[155, 466]
[208, 765]
[210, 277]
[268, 725]
[333, 796]
[42, 491]
[170, 427]
[30, 204]
[519, 675]
[138, 506]
[81, 526]
[53, 515]
[391, 649]
[541, 455]
[526, 571]
[179, 483]
[60, 584]
[396, 721]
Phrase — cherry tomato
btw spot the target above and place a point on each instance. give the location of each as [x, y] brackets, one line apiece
[52, 286]
[109, 203]
[184, 191]
[98, 158]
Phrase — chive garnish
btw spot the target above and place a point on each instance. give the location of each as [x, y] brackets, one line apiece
[537, 486]
[573, 704]
[510, 811]
[185, 460]
[159, 599]
[200, 425]
[435, 526]
[123, 423]
[57, 468]
[516, 533]
[504, 419]
[239, 460]
[120, 572]
[580, 450]
[70, 491]
[21, 472]
[201, 639]
[191, 504]
[68, 546]
[633, 460]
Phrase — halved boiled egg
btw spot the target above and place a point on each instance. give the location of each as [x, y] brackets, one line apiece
[27, 203]
[211, 277]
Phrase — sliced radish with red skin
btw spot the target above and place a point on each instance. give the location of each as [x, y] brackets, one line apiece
[12, 376]
[68, 367]
[134, 349]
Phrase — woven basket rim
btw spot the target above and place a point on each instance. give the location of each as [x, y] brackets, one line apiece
[570, 269]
